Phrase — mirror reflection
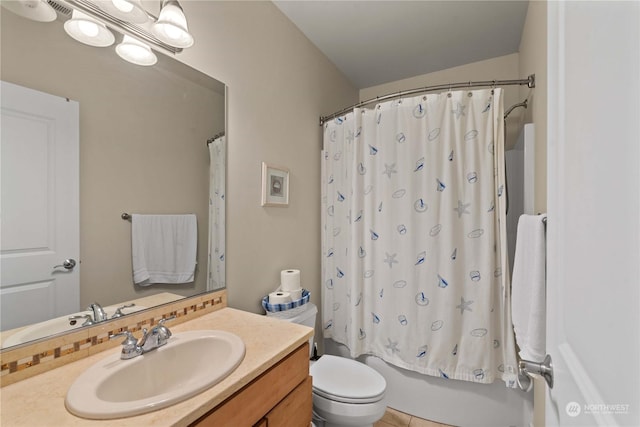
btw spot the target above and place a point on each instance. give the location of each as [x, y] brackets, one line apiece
[142, 148]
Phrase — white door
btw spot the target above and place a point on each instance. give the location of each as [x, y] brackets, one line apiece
[593, 287]
[39, 206]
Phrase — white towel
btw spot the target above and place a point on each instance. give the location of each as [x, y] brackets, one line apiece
[163, 248]
[528, 288]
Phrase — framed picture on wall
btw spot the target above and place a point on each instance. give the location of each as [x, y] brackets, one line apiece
[275, 185]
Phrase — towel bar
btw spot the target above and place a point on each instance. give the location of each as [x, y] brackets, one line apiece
[127, 217]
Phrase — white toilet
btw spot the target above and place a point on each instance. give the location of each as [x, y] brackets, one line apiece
[345, 392]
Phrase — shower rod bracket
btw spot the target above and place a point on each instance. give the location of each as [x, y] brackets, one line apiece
[544, 369]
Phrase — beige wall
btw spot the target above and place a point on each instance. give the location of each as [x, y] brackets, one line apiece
[533, 60]
[278, 86]
[142, 143]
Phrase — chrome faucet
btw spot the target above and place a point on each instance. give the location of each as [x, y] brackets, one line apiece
[98, 313]
[151, 339]
[156, 337]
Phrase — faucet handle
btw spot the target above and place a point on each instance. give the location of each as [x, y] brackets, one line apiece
[162, 332]
[119, 312]
[128, 337]
[164, 319]
[130, 347]
[155, 337]
[161, 328]
[87, 319]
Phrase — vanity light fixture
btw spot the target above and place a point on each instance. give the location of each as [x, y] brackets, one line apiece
[87, 30]
[126, 10]
[171, 26]
[36, 10]
[92, 23]
[136, 52]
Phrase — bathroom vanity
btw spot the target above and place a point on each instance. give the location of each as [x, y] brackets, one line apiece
[281, 396]
[270, 387]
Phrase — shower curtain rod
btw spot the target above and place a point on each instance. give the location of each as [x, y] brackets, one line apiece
[530, 81]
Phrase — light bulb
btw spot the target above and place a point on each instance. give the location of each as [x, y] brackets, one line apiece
[136, 52]
[126, 10]
[171, 26]
[122, 5]
[36, 10]
[172, 32]
[87, 30]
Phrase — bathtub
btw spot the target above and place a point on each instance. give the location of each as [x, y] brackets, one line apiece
[457, 403]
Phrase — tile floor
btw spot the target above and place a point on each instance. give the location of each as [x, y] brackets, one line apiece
[393, 418]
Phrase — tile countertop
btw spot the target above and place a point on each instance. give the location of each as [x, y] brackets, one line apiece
[39, 401]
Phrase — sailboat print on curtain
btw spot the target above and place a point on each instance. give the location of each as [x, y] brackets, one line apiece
[413, 234]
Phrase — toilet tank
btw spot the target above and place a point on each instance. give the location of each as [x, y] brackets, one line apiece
[306, 317]
[303, 315]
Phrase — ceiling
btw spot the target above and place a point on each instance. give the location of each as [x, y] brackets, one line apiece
[375, 42]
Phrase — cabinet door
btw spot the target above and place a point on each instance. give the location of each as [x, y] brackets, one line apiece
[249, 406]
[295, 409]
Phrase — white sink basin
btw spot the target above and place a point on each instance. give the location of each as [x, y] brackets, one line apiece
[188, 364]
[57, 325]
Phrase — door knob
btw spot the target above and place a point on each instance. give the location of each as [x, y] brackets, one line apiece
[67, 263]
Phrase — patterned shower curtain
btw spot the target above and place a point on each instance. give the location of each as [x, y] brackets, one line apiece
[217, 173]
[415, 264]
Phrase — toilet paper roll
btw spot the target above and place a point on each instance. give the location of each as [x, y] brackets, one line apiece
[279, 297]
[290, 280]
[296, 294]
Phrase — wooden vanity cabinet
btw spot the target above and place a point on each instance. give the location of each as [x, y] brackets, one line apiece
[280, 397]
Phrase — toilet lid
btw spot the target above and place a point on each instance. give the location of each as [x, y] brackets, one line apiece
[346, 380]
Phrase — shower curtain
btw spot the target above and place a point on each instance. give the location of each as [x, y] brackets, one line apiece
[217, 172]
[414, 242]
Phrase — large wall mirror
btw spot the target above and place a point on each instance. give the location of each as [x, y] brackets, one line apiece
[143, 148]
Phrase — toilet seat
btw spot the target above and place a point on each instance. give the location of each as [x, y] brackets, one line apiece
[344, 380]
[342, 399]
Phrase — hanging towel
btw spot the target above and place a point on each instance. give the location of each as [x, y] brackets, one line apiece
[528, 298]
[163, 248]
